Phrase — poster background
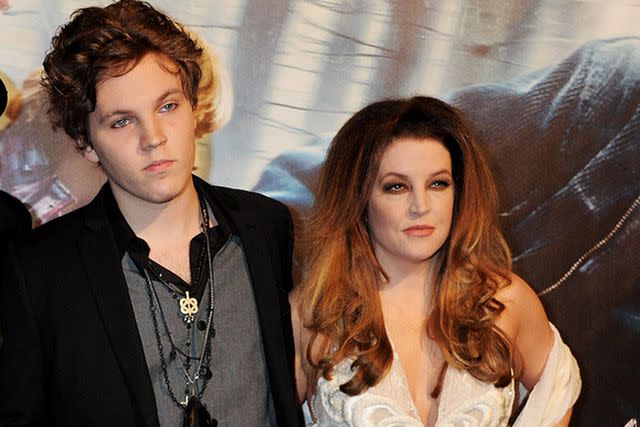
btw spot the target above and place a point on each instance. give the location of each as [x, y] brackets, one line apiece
[556, 106]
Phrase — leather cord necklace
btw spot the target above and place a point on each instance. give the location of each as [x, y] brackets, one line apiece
[194, 412]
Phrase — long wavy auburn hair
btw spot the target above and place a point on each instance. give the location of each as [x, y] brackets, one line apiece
[339, 298]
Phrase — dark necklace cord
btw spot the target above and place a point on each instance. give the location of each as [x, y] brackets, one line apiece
[166, 326]
[205, 357]
[156, 330]
[195, 288]
[170, 286]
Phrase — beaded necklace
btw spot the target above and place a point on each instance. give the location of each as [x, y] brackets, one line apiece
[194, 412]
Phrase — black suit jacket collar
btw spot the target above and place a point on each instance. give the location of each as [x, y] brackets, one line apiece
[106, 280]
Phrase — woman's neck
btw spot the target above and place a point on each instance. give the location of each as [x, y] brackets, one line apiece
[406, 275]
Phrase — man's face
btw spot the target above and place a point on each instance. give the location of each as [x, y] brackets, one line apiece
[142, 132]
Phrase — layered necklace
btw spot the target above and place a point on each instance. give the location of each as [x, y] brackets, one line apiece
[194, 412]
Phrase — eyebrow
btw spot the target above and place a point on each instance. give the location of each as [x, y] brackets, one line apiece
[406, 177]
[103, 118]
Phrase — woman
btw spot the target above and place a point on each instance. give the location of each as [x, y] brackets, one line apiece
[408, 312]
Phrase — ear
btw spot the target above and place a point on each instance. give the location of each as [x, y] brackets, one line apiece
[90, 154]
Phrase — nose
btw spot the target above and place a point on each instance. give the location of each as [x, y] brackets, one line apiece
[420, 204]
[153, 134]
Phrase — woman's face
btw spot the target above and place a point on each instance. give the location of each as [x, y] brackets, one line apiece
[411, 206]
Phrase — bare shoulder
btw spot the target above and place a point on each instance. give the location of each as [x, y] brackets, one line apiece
[521, 305]
[516, 292]
[525, 323]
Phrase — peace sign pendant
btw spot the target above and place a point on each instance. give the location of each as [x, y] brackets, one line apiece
[188, 307]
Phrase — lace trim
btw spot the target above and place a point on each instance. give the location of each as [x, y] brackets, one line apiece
[464, 401]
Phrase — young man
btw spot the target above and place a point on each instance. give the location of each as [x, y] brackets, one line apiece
[163, 301]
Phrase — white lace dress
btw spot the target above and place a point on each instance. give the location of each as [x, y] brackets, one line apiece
[464, 401]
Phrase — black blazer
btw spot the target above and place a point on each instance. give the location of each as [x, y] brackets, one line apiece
[14, 216]
[72, 353]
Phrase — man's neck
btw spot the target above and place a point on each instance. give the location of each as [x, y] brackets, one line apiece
[166, 227]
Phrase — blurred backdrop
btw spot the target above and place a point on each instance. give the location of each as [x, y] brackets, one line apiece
[552, 87]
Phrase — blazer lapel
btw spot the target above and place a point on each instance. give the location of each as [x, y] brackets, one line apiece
[258, 256]
[268, 298]
[107, 283]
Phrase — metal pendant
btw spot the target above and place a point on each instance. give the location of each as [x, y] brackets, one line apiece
[196, 415]
[188, 307]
